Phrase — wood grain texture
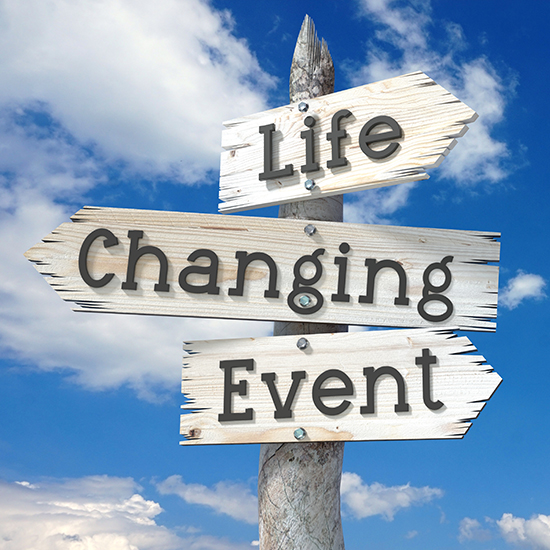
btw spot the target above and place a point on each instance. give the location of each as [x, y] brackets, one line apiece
[473, 291]
[461, 380]
[299, 495]
[432, 120]
[312, 69]
[299, 485]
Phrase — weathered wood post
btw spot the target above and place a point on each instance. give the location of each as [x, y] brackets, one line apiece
[299, 483]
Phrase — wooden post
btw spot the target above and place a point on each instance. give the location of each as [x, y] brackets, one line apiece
[299, 483]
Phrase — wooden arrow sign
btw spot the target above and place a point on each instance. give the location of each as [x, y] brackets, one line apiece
[198, 265]
[361, 386]
[371, 136]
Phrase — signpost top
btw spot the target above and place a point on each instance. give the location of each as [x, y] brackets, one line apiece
[370, 136]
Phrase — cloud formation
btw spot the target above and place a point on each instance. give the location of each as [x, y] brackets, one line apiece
[137, 82]
[377, 205]
[232, 499]
[471, 529]
[93, 513]
[88, 88]
[90, 513]
[98, 351]
[522, 287]
[361, 500]
[405, 29]
[528, 533]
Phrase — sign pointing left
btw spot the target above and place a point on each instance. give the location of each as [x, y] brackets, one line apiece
[199, 265]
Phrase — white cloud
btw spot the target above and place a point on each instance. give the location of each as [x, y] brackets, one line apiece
[404, 25]
[376, 205]
[358, 499]
[232, 499]
[479, 156]
[91, 513]
[146, 83]
[206, 542]
[529, 533]
[471, 529]
[83, 84]
[522, 286]
[361, 500]
[98, 350]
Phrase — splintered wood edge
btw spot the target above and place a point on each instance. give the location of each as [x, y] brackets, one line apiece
[462, 425]
[238, 204]
[180, 220]
[232, 201]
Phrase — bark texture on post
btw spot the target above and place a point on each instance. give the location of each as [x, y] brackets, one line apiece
[299, 483]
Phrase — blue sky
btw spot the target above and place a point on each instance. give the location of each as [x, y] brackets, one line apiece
[120, 103]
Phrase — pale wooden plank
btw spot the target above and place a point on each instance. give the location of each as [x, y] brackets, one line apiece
[461, 380]
[431, 118]
[473, 291]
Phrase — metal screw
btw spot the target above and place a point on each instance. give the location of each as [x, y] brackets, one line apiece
[303, 106]
[304, 300]
[300, 433]
[309, 229]
[302, 343]
[309, 184]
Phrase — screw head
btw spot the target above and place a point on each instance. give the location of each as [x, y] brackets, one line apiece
[302, 343]
[309, 184]
[304, 300]
[300, 433]
[303, 106]
[310, 229]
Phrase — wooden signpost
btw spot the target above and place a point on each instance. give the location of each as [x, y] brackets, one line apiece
[311, 275]
[172, 263]
[358, 386]
[371, 136]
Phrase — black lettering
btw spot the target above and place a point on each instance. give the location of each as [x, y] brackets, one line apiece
[244, 260]
[425, 361]
[135, 254]
[335, 136]
[366, 139]
[319, 392]
[269, 173]
[229, 388]
[211, 270]
[310, 165]
[374, 268]
[373, 375]
[110, 240]
[342, 264]
[283, 411]
[307, 290]
[429, 287]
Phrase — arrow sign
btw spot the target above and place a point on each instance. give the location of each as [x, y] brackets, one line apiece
[371, 136]
[198, 265]
[397, 384]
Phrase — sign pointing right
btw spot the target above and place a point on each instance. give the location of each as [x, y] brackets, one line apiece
[356, 386]
[371, 136]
